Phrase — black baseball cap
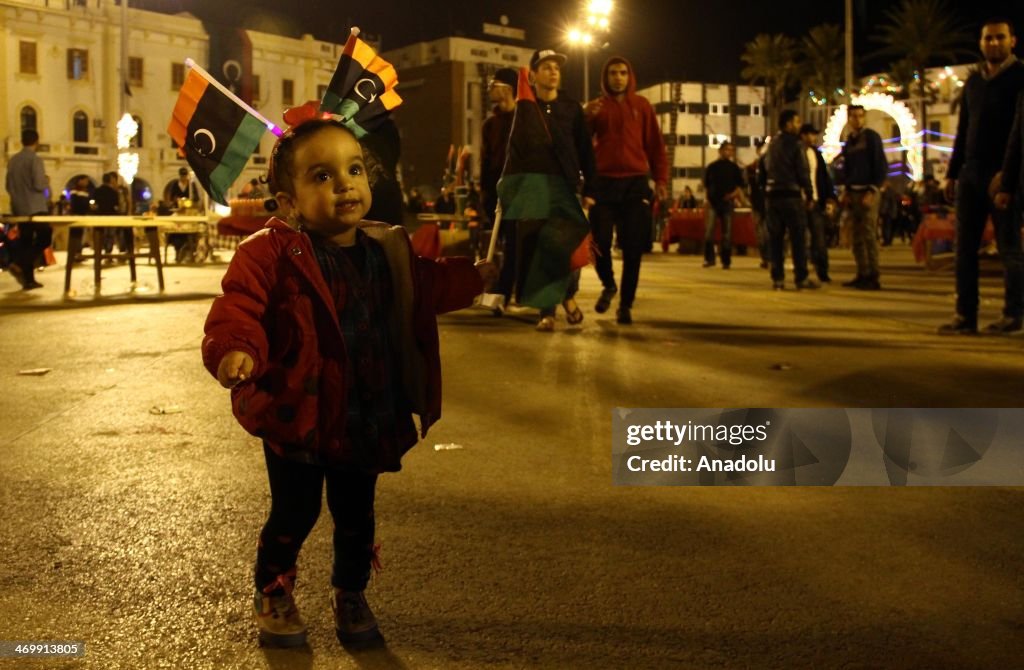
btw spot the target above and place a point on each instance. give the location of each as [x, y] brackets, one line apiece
[541, 55]
[507, 77]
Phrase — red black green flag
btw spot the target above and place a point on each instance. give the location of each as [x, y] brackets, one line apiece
[216, 135]
[535, 193]
[362, 90]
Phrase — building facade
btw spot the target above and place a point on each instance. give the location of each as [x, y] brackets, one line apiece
[696, 118]
[62, 76]
[443, 84]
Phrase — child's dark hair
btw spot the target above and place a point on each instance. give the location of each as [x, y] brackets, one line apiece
[280, 176]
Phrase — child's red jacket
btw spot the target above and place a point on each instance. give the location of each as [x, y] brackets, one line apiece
[277, 308]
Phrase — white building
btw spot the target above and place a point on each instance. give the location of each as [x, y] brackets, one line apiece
[696, 118]
[61, 67]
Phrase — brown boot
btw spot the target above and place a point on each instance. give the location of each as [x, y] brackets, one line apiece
[354, 622]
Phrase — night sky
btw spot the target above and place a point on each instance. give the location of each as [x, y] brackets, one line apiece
[665, 39]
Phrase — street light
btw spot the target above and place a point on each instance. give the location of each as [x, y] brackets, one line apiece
[598, 20]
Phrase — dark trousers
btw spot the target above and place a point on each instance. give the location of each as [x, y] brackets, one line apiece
[973, 208]
[788, 214]
[816, 222]
[27, 249]
[509, 243]
[630, 219]
[295, 493]
[722, 212]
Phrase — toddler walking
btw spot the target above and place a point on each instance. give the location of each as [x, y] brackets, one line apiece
[327, 336]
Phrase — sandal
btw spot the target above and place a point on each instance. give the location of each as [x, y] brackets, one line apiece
[546, 324]
[573, 316]
[605, 301]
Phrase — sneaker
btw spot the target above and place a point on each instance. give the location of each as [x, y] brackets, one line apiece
[353, 619]
[854, 283]
[707, 265]
[278, 620]
[807, 284]
[778, 285]
[1005, 326]
[31, 285]
[623, 316]
[546, 324]
[825, 279]
[959, 326]
[869, 284]
[605, 301]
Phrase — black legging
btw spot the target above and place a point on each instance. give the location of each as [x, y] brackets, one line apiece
[295, 492]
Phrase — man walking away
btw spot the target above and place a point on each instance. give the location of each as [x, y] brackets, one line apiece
[628, 148]
[27, 185]
[983, 132]
[864, 171]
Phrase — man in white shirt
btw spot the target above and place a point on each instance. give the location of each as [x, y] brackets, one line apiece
[824, 197]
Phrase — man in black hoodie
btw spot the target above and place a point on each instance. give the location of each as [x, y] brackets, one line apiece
[986, 115]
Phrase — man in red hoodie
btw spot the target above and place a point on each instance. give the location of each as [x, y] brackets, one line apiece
[629, 149]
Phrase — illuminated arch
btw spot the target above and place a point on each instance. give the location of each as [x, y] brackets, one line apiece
[905, 119]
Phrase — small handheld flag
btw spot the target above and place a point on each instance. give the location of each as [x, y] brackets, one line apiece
[362, 90]
[216, 132]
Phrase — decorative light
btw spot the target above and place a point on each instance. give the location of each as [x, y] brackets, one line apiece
[905, 119]
[127, 161]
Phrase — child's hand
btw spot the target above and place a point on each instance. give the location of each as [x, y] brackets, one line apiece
[488, 272]
[234, 368]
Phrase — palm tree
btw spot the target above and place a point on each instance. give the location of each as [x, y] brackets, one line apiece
[918, 33]
[771, 61]
[822, 64]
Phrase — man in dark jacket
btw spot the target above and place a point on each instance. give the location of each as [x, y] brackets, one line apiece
[788, 194]
[496, 129]
[864, 171]
[823, 192]
[986, 117]
[723, 183]
[568, 130]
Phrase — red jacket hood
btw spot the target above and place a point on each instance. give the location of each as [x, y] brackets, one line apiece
[630, 87]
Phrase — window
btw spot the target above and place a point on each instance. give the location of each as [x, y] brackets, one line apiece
[935, 126]
[29, 118]
[136, 142]
[27, 58]
[720, 109]
[80, 127]
[135, 71]
[287, 92]
[756, 110]
[741, 110]
[78, 63]
[697, 108]
[177, 76]
[697, 140]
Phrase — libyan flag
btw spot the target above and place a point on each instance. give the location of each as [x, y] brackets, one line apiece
[216, 135]
[534, 192]
[362, 90]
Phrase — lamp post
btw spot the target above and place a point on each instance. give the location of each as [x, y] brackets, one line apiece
[597, 22]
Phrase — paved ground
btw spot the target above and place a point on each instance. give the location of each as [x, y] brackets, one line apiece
[135, 531]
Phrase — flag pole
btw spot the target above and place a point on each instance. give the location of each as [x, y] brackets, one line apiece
[494, 233]
[271, 126]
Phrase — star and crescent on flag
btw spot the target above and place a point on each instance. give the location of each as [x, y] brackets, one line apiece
[217, 132]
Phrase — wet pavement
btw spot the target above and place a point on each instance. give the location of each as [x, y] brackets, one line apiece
[131, 500]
